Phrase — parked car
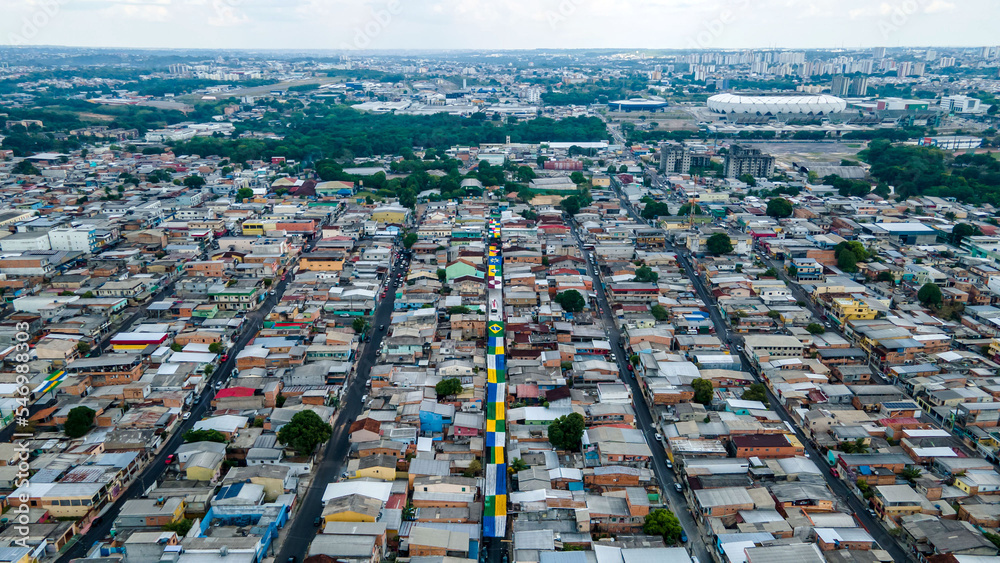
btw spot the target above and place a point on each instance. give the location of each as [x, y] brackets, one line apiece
[170, 459]
[659, 438]
[684, 536]
[318, 521]
[225, 357]
[678, 487]
[186, 415]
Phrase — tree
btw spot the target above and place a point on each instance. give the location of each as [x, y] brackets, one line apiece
[645, 274]
[664, 523]
[655, 209]
[815, 328]
[215, 347]
[659, 312]
[566, 431]
[442, 275]
[78, 421]
[475, 466]
[963, 230]
[194, 182]
[719, 244]
[182, 527]
[685, 210]
[779, 208]
[572, 204]
[448, 387]
[793, 271]
[854, 447]
[885, 277]
[770, 273]
[90, 294]
[703, 391]
[359, 325]
[304, 432]
[279, 401]
[577, 177]
[209, 370]
[244, 193]
[204, 436]
[409, 239]
[571, 301]
[268, 282]
[83, 347]
[929, 294]
[519, 465]
[756, 392]
[25, 167]
[748, 179]
[623, 168]
[176, 347]
[911, 473]
[847, 262]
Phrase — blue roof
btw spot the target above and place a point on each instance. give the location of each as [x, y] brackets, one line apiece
[229, 491]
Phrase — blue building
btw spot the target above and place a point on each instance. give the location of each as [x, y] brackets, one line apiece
[434, 416]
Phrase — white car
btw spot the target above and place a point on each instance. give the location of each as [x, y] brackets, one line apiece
[186, 416]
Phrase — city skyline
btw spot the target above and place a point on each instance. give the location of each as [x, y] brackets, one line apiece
[514, 24]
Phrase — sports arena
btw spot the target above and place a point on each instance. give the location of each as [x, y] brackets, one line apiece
[773, 105]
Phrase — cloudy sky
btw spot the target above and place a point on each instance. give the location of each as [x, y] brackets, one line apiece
[499, 24]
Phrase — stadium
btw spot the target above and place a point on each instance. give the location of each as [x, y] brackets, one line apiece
[773, 105]
[638, 104]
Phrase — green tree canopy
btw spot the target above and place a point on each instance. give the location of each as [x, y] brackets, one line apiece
[566, 431]
[645, 274]
[215, 347]
[848, 262]
[685, 210]
[659, 312]
[655, 209]
[779, 208]
[194, 182]
[929, 294]
[815, 328]
[719, 244]
[25, 167]
[571, 300]
[962, 231]
[244, 193]
[756, 392]
[359, 324]
[78, 421]
[409, 239]
[204, 436]
[304, 432]
[448, 387]
[664, 523]
[703, 391]
[182, 527]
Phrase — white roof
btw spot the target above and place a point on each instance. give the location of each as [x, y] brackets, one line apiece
[192, 357]
[736, 103]
[374, 489]
[223, 423]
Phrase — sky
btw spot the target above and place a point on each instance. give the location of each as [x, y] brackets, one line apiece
[499, 24]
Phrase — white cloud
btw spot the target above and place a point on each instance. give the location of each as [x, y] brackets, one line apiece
[939, 6]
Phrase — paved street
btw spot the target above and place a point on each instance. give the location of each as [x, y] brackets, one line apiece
[666, 478]
[157, 465]
[301, 529]
[838, 486]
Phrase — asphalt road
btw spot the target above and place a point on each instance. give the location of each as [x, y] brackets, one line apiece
[301, 530]
[838, 486]
[666, 478]
[156, 466]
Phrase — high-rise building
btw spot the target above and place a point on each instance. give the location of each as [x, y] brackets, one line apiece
[945, 62]
[904, 68]
[841, 85]
[740, 161]
[919, 69]
[930, 55]
[859, 86]
[674, 159]
[879, 52]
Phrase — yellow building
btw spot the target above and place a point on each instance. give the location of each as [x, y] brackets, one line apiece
[852, 310]
[321, 262]
[380, 466]
[352, 508]
[62, 500]
[391, 215]
[204, 466]
[897, 500]
[995, 348]
[257, 228]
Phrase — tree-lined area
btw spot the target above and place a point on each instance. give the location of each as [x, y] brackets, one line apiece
[341, 132]
[927, 171]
